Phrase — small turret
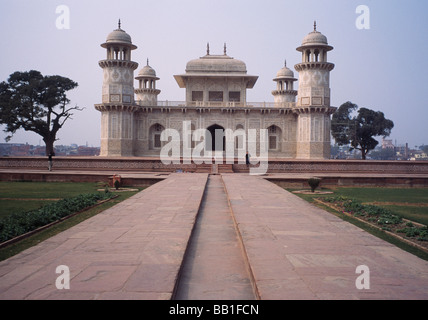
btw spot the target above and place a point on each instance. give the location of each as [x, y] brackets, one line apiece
[146, 91]
[284, 87]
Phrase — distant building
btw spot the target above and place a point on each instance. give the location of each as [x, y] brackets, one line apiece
[402, 152]
[88, 151]
[25, 150]
[387, 144]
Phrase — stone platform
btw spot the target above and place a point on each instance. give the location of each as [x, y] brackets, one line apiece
[292, 250]
[144, 171]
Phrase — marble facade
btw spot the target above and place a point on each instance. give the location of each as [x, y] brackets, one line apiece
[297, 122]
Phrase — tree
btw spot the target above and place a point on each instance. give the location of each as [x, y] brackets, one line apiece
[33, 102]
[358, 131]
[424, 148]
[383, 154]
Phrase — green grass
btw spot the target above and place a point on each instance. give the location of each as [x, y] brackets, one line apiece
[409, 203]
[21, 196]
[9, 206]
[44, 190]
[409, 195]
[417, 214]
[402, 201]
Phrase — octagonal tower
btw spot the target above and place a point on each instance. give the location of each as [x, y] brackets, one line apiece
[313, 99]
[117, 107]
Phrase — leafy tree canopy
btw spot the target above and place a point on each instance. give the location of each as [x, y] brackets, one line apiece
[33, 102]
[359, 130]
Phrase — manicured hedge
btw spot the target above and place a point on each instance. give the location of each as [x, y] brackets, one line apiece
[19, 223]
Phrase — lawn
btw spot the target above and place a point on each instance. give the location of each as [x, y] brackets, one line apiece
[26, 196]
[410, 203]
[396, 195]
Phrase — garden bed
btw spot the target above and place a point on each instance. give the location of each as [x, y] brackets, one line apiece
[20, 225]
[411, 232]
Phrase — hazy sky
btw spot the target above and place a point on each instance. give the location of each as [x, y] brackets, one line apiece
[383, 68]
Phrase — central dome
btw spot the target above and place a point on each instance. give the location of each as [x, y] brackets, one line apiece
[216, 64]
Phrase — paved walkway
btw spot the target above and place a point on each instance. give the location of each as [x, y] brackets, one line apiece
[298, 251]
[135, 250]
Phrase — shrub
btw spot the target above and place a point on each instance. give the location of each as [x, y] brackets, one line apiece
[381, 216]
[22, 222]
[389, 218]
[314, 183]
[354, 207]
[117, 184]
[412, 232]
[372, 210]
[423, 235]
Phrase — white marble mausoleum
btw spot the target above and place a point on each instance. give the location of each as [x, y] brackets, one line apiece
[297, 121]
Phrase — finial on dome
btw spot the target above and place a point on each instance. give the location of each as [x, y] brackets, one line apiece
[224, 50]
[315, 25]
[208, 48]
[285, 63]
[119, 24]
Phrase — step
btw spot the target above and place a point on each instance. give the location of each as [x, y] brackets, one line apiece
[214, 168]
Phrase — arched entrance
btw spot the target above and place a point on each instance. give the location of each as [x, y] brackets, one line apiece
[215, 140]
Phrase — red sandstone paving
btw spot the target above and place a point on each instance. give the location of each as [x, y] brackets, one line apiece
[298, 251]
[131, 251]
[134, 250]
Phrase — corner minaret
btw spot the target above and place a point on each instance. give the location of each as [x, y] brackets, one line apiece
[117, 105]
[313, 100]
[147, 94]
[284, 92]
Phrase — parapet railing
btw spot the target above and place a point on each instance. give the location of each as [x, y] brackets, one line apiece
[226, 104]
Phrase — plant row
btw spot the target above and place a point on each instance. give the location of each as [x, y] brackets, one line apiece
[19, 223]
[383, 217]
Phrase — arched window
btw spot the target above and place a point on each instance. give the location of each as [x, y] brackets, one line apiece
[274, 138]
[155, 132]
[308, 55]
[239, 139]
[316, 53]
